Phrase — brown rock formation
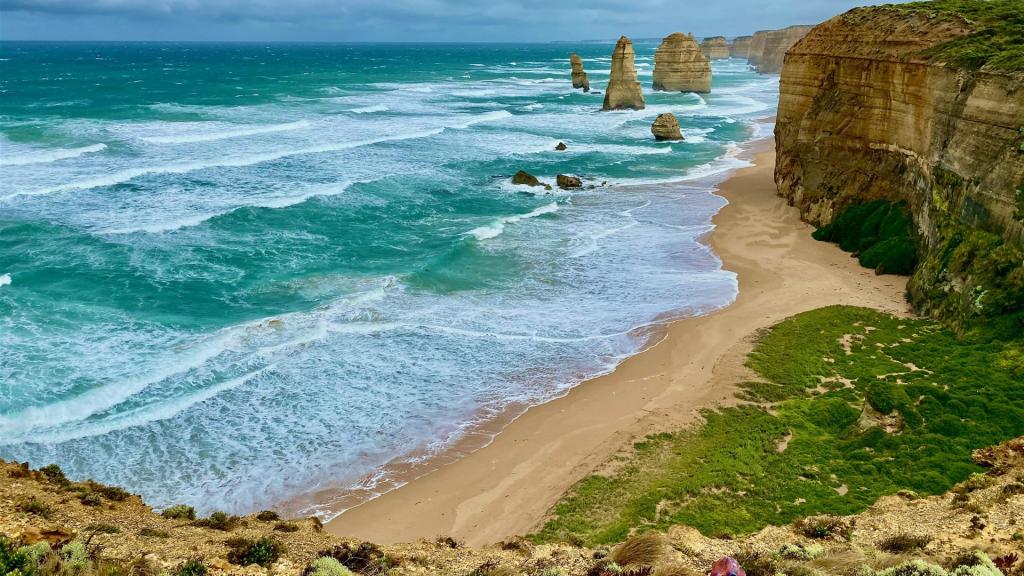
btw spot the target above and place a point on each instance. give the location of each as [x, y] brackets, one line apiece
[666, 127]
[524, 178]
[566, 182]
[757, 43]
[579, 77]
[740, 46]
[623, 92]
[715, 47]
[680, 66]
[561, 147]
[864, 115]
[777, 43]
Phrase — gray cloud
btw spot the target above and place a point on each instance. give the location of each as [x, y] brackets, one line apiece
[397, 20]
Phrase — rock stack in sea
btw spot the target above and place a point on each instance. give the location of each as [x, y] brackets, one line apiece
[680, 66]
[666, 127]
[757, 47]
[579, 76]
[740, 47]
[623, 92]
[715, 47]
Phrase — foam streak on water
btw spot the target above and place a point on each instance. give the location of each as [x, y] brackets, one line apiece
[264, 270]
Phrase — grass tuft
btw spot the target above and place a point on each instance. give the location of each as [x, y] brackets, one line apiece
[640, 550]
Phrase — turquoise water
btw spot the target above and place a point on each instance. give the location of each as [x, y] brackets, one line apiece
[233, 273]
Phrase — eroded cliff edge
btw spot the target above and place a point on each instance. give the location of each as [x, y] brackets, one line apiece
[893, 103]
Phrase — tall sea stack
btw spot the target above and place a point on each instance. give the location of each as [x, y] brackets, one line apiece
[715, 47]
[623, 91]
[776, 44]
[579, 77]
[680, 66]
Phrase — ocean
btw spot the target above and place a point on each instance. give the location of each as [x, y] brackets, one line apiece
[234, 274]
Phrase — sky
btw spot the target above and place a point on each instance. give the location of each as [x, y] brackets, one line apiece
[400, 20]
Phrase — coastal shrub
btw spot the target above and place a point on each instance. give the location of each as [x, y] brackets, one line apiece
[286, 527]
[801, 552]
[55, 474]
[14, 560]
[262, 552]
[902, 543]
[727, 476]
[179, 512]
[36, 507]
[191, 567]
[326, 566]
[640, 550]
[148, 532]
[363, 558]
[880, 232]
[826, 527]
[268, 516]
[90, 499]
[994, 41]
[218, 521]
[114, 493]
[102, 528]
[75, 557]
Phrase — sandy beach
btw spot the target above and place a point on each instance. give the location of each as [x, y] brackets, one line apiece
[506, 488]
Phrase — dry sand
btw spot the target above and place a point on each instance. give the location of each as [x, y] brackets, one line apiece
[507, 488]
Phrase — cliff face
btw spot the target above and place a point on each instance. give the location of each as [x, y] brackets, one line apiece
[740, 47]
[623, 91]
[776, 44]
[715, 47]
[864, 114]
[579, 77]
[680, 66]
[757, 43]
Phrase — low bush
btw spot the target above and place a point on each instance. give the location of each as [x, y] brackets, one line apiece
[881, 233]
[262, 552]
[903, 543]
[55, 474]
[148, 532]
[191, 567]
[218, 521]
[826, 527]
[268, 516]
[286, 527]
[640, 550]
[800, 552]
[363, 558]
[179, 512]
[326, 566]
[90, 499]
[36, 507]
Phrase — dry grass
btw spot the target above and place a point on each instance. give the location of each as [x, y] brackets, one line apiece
[640, 550]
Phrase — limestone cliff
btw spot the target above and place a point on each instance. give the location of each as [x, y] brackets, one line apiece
[579, 76]
[757, 43]
[680, 66]
[623, 92]
[866, 113]
[740, 47]
[776, 44]
[715, 47]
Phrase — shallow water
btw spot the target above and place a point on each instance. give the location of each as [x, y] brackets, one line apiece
[233, 272]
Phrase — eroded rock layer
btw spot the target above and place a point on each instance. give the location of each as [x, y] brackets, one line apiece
[776, 44]
[740, 47]
[757, 43]
[579, 76]
[715, 47]
[680, 66]
[623, 91]
[864, 114]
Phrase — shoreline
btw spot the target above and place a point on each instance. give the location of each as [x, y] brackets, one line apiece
[533, 457]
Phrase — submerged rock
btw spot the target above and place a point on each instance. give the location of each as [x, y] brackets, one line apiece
[666, 127]
[523, 178]
[623, 92]
[715, 47]
[568, 182]
[579, 76]
[680, 66]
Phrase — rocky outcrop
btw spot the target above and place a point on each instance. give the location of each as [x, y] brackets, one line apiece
[865, 114]
[740, 47]
[623, 92]
[579, 76]
[666, 127]
[524, 178]
[757, 43]
[561, 147]
[715, 47]
[566, 182]
[776, 44]
[680, 65]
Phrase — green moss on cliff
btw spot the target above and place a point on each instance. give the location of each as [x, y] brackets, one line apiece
[818, 450]
[880, 232]
[995, 40]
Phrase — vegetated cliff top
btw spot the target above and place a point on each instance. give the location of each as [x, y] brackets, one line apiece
[996, 39]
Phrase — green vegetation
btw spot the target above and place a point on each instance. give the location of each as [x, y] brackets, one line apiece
[327, 566]
[193, 567]
[36, 507]
[862, 404]
[218, 521]
[880, 232]
[179, 512]
[994, 42]
[263, 552]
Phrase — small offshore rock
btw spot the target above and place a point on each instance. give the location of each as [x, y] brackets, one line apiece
[561, 147]
[523, 178]
[666, 127]
[566, 182]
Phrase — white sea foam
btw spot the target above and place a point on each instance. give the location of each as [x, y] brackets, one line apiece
[45, 156]
[370, 109]
[226, 134]
[496, 228]
[5, 280]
